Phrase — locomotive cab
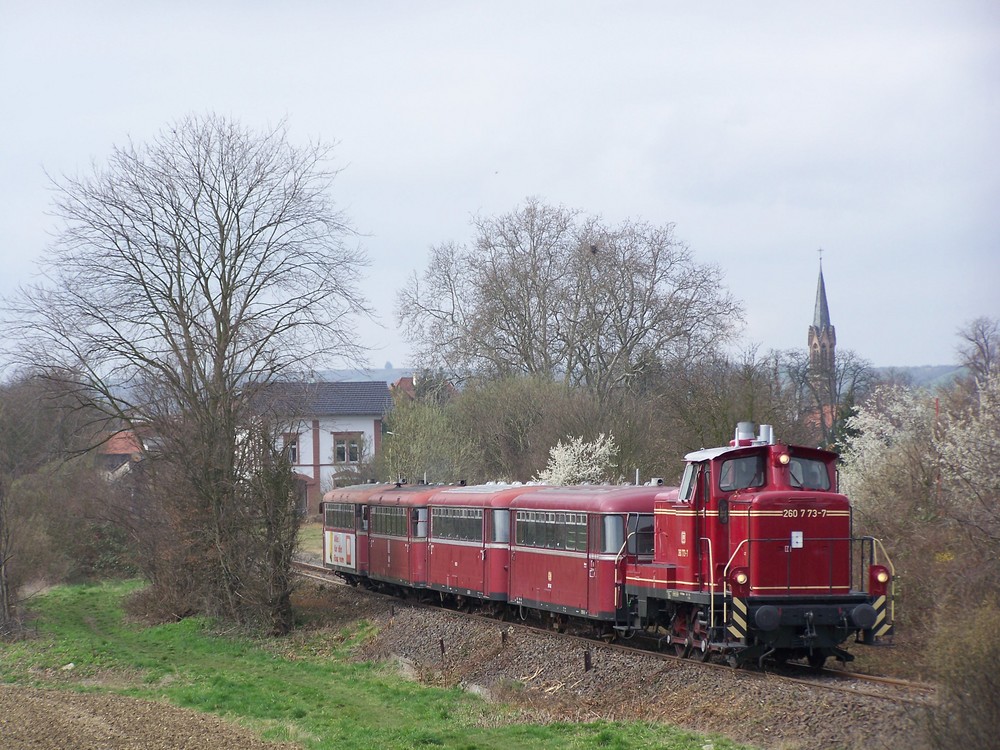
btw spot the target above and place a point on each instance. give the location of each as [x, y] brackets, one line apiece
[755, 558]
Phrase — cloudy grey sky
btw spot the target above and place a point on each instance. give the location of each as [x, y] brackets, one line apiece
[763, 130]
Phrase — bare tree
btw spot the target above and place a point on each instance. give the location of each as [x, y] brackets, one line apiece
[189, 273]
[546, 291]
[825, 397]
[979, 349]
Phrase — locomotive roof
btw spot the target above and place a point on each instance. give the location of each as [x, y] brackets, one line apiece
[707, 454]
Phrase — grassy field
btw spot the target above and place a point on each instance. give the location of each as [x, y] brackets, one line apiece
[311, 538]
[305, 689]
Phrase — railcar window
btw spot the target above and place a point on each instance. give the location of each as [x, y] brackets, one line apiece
[388, 521]
[418, 517]
[808, 473]
[464, 524]
[612, 534]
[501, 526]
[551, 530]
[741, 473]
[339, 516]
[640, 528]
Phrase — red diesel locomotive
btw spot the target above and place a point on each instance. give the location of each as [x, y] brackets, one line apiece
[752, 557]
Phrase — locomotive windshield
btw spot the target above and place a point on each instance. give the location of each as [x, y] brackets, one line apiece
[741, 473]
[808, 473]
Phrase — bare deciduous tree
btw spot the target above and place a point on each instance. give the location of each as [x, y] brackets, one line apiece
[546, 291]
[189, 273]
[825, 397]
[979, 349]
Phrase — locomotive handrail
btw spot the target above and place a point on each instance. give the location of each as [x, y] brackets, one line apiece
[711, 581]
[877, 543]
[725, 571]
[618, 568]
[725, 579]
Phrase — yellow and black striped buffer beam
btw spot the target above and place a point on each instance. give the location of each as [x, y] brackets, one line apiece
[738, 620]
[883, 625]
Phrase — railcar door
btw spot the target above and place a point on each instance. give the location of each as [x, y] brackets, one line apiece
[604, 549]
[496, 564]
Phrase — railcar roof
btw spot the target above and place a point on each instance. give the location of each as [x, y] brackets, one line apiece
[355, 493]
[415, 495]
[597, 498]
[483, 495]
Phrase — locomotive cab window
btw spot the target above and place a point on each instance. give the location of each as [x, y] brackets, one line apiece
[808, 473]
[742, 473]
[686, 491]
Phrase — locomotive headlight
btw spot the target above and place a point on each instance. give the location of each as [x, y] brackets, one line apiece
[741, 578]
[882, 576]
[783, 459]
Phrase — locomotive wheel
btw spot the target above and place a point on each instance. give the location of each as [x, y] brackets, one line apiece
[817, 660]
[701, 652]
[679, 630]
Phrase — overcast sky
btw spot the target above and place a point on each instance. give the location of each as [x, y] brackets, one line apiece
[764, 131]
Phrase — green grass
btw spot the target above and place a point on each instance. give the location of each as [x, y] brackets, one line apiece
[304, 689]
[311, 538]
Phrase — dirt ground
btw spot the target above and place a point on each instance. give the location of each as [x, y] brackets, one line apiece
[59, 720]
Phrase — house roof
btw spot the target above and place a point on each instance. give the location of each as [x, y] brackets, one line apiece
[332, 399]
[123, 443]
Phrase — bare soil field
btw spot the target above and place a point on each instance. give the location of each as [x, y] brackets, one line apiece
[59, 720]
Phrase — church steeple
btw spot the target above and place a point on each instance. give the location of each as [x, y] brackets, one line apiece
[822, 335]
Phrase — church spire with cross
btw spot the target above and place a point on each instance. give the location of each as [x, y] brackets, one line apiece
[822, 335]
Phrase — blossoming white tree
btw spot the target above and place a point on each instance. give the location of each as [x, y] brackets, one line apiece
[580, 462]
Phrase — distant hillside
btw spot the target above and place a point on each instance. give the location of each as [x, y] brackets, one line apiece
[926, 376]
[388, 374]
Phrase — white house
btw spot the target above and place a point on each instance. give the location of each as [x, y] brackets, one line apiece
[335, 433]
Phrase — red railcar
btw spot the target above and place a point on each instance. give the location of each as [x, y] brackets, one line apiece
[345, 529]
[397, 535]
[469, 550]
[570, 545]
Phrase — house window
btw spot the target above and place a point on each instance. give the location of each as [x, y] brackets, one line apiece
[347, 447]
[291, 445]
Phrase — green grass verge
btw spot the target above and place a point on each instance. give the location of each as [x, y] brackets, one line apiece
[311, 538]
[303, 689]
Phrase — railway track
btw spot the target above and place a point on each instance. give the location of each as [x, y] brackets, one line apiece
[829, 679]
